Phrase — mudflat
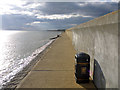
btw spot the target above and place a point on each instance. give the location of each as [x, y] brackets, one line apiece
[55, 69]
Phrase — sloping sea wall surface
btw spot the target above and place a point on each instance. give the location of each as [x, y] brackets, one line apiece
[99, 39]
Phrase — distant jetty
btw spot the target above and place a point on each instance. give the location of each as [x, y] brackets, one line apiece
[63, 30]
[55, 37]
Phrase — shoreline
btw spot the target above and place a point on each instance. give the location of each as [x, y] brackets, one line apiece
[21, 75]
[55, 69]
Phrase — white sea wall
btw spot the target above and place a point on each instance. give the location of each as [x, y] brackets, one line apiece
[99, 39]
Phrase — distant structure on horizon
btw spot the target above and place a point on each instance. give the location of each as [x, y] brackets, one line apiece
[57, 30]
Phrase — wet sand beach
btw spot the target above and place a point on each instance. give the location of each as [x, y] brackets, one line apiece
[55, 69]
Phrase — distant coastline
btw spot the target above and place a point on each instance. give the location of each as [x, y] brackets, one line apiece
[57, 30]
[34, 30]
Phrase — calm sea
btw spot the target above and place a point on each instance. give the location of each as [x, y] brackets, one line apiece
[19, 48]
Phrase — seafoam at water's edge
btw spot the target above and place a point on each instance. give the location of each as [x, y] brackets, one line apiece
[25, 66]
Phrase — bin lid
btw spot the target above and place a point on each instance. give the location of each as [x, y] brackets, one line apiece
[82, 56]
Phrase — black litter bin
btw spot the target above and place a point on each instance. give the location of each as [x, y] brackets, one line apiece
[82, 67]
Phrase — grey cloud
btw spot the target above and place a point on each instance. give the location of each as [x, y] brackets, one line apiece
[18, 21]
[67, 23]
[59, 8]
[73, 0]
[98, 9]
[94, 9]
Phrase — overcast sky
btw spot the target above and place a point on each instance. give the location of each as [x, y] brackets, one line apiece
[34, 15]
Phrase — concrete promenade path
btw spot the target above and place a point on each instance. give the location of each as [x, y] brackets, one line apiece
[55, 69]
